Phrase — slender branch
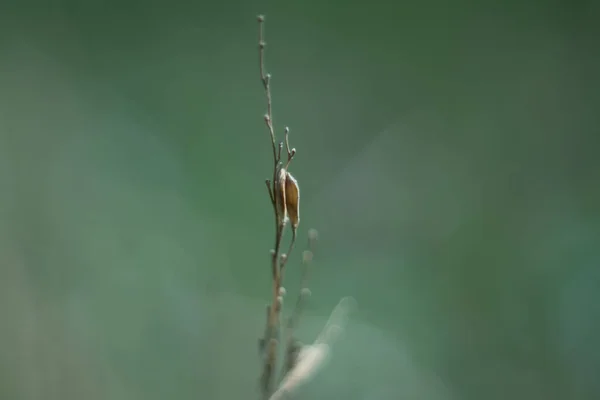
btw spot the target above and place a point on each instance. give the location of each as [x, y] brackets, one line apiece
[266, 81]
[300, 362]
[311, 358]
[293, 346]
[287, 142]
[290, 152]
[276, 188]
[268, 182]
[286, 256]
[284, 193]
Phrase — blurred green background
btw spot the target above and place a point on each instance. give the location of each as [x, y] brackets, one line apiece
[447, 154]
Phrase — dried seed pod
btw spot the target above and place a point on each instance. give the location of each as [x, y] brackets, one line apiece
[292, 200]
[280, 196]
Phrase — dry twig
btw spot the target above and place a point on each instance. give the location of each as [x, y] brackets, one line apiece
[284, 193]
[293, 345]
[311, 358]
[300, 362]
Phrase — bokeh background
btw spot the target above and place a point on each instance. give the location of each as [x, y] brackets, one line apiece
[447, 154]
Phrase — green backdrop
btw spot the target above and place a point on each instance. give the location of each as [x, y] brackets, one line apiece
[447, 154]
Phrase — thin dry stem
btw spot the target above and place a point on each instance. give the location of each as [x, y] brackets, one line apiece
[292, 344]
[300, 362]
[266, 81]
[268, 183]
[281, 183]
[311, 358]
[285, 259]
[271, 332]
[287, 143]
[290, 152]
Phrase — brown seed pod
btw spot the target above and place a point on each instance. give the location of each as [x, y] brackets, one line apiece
[292, 200]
